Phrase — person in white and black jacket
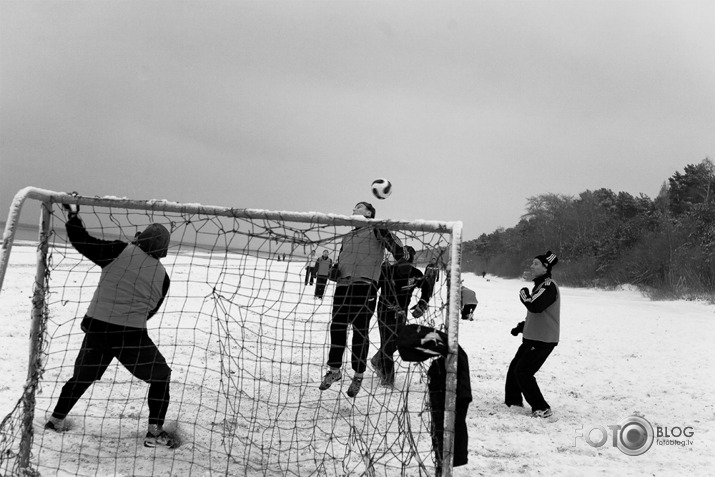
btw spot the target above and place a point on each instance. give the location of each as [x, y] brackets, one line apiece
[132, 286]
[358, 268]
[541, 330]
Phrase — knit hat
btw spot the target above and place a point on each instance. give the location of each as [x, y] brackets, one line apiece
[153, 240]
[548, 260]
[369, 207]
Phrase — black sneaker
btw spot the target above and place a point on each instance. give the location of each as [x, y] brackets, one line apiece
[57, 425]
[355, 386]
[387, 379]
[163, 439]
[375, 361]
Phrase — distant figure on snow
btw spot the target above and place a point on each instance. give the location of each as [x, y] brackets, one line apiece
[309, 271]
[321, 270]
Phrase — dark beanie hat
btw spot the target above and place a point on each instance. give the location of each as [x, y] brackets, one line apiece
[154, 240]
[549, 259]
[369, 207]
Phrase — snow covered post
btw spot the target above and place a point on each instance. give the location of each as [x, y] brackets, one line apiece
[37, 329]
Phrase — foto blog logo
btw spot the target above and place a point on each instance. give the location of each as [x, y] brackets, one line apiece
[633, 436]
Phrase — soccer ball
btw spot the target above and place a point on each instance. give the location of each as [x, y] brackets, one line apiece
[381, 188]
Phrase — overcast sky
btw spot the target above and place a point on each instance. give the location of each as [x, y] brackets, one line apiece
[469, 108]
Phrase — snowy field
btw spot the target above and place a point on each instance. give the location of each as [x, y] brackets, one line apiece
[621, 355]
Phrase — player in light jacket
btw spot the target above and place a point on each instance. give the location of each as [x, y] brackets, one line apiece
[132, 286]
[359, 262]
[541, 335]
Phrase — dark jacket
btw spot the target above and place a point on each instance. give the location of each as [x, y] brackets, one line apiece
[397, 282]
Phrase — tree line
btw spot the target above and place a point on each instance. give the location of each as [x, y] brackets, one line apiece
[665, 246]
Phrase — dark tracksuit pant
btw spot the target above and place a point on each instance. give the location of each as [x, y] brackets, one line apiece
[353, 304]
[321, 282]
[520, 379]
[134, 349]
[390, 323]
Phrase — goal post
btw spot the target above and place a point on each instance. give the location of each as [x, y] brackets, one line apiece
[246, 341]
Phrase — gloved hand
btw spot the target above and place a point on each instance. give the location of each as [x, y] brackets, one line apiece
[518, 329]
[69, 210]
[524, 294]
[71, 213]
[420, 309]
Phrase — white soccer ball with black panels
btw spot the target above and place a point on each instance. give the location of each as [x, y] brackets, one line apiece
[381, 188]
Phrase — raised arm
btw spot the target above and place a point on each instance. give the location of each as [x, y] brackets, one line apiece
[392, 244]
[101, 252]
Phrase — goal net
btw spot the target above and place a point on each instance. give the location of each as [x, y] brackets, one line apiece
[246, 340]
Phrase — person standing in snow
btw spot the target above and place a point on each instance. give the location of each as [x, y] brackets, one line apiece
[541, 335]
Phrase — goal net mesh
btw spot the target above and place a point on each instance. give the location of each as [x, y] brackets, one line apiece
[247, 343]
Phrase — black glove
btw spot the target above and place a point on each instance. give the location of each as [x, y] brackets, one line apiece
[518, 329]
[524, 294]
[419, 309]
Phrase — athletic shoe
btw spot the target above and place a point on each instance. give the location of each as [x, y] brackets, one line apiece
[375, 362]
[544, 413]
[57, 425]
[163, 439]
[387, 379]
[355, 386]
[330, 378]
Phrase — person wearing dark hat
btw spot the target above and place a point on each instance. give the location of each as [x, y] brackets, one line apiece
[418, 343]
[132, 286]
[541, 335]
[358, 271]
[397, 282]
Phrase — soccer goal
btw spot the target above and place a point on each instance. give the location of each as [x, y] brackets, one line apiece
[245, 338]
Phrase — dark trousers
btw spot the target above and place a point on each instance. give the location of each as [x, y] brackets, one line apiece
[520, 379]
[134, 349]
[309, 275]
[389, 322]
[467, 311]
[320, 282]
[461, 435]
[354, 305]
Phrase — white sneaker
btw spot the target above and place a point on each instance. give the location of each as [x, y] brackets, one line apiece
[544, 413]
[163, 439]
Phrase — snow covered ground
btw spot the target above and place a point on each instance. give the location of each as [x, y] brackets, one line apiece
[621, 355]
